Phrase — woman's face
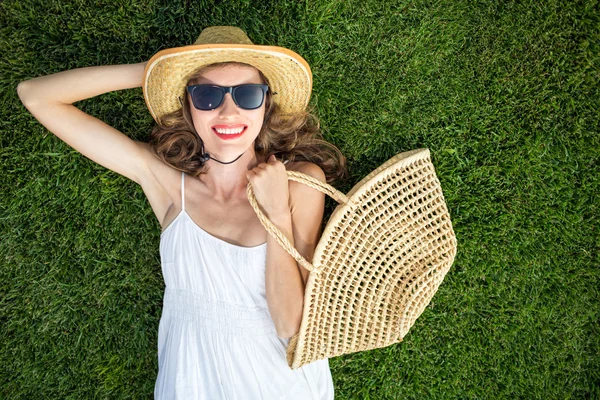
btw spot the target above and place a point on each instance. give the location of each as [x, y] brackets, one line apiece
[213, 125]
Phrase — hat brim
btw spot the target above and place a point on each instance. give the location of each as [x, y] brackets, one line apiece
[168, 71]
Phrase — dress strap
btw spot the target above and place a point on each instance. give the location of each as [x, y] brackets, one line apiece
[182, 191]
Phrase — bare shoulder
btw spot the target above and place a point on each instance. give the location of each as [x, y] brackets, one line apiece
[307, 168]
[302, 195]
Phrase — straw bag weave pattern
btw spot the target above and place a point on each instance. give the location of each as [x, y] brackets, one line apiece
[382, 256]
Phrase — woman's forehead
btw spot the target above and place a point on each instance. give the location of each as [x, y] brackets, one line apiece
[229, 75]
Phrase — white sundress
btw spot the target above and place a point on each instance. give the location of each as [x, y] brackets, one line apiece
[216, 338]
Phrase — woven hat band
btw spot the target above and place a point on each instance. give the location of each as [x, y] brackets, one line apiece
[223, 35]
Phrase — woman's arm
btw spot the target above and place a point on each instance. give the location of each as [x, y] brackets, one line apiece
[285, 278]
[49, 99]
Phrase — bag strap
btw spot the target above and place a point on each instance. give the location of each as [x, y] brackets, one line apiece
[276, 232]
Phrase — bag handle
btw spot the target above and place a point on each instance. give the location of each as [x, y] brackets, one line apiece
[276, 232]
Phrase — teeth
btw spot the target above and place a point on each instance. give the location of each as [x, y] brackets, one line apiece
[229, 131]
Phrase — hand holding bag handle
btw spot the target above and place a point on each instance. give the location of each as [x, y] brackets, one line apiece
[274, 231]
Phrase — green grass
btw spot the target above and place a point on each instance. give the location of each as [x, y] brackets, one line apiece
[504, 94]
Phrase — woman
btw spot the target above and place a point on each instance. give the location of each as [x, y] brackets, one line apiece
[226, 109]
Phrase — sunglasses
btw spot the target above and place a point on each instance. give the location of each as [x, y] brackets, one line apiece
[209, 97]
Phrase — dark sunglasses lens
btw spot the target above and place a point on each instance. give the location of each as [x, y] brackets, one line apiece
[207, 97]
[249, 97]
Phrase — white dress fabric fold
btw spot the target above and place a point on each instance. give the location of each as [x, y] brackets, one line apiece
[216, 338]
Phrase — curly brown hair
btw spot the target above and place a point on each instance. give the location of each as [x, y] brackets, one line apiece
[290, 136]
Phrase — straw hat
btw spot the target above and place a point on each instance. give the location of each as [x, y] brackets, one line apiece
[168, 71]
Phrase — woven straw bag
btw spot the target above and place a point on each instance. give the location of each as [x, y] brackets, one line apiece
[382, 256]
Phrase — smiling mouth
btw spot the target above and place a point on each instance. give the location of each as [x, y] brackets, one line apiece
[229, 132]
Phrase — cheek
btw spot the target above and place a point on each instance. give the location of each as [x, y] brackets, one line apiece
[259, 116]
[200, 119]
[258, 123]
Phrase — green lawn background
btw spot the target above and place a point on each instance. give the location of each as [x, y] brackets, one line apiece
[505, 95]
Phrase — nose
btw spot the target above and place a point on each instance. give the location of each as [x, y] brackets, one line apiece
[228, 107]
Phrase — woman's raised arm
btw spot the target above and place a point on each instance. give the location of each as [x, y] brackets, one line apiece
[49, 99]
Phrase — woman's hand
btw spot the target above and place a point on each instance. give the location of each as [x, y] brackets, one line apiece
[270, 183]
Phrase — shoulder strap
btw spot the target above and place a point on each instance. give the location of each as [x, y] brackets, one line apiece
[182, 191]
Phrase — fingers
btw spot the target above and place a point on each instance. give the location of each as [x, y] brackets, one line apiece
[263, 167]
[272, 160]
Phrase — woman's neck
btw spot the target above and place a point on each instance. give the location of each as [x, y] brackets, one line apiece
[226, 182]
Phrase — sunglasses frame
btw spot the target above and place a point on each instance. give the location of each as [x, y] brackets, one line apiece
[224, 91]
